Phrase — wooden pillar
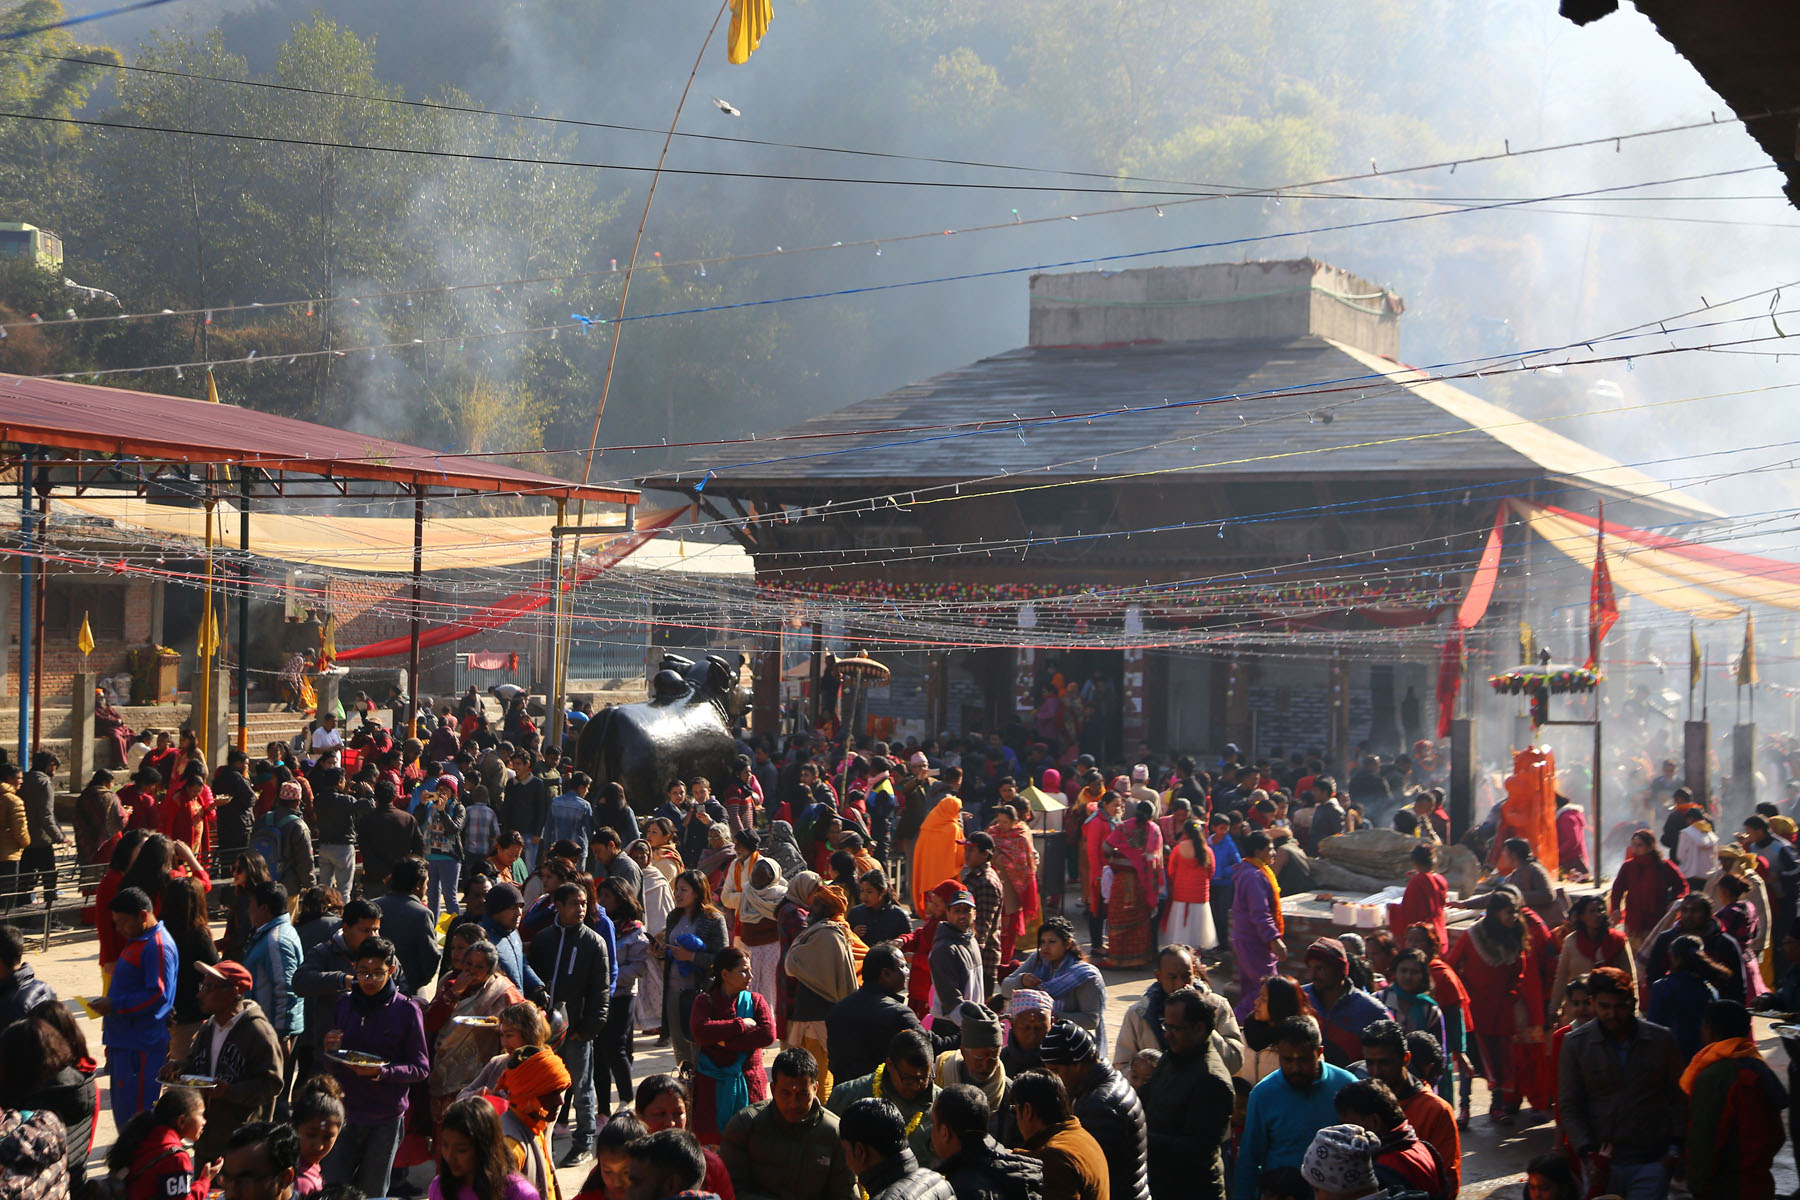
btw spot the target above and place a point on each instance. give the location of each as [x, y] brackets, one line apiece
[1134, 699]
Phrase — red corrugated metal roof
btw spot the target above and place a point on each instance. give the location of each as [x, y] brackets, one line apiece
[80, 416]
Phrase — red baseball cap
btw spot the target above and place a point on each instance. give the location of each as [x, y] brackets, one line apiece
[236, 974]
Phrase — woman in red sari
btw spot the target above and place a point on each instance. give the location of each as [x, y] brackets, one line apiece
[187, 811]
[1501, 960]
[1423, 903]
[1015, 861]
[1134, 851]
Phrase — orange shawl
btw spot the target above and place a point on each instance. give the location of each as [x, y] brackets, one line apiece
[1714, 1052]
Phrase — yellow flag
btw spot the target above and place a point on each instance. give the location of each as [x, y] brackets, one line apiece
[208, 645]
[212, 389]
[1693, 659]
[749, 21]
[85, 641]
[1746, 675]
[1527, 644]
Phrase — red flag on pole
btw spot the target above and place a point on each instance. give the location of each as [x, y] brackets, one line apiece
[1603, 605]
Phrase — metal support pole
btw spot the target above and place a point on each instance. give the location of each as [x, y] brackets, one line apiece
[554, 722]
[203, 674]
[243, 638]
[37, 620]
[27, 590]
[1599, 813]
[412, 661]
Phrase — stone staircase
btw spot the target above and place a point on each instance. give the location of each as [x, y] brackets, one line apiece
[264, 725]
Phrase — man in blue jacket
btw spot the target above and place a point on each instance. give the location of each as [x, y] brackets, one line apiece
[505, 906]
[137, 1005]
[273, 954]
[1291, 1105]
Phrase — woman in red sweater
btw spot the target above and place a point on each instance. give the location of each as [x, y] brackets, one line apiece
[731, 1025]
[1646, 885]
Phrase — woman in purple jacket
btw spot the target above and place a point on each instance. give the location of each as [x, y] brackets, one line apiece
[374, 1022]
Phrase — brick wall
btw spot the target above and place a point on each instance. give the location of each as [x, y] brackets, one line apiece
[58, 656]
[1291, 716]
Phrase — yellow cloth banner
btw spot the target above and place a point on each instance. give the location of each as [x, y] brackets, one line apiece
[85, 640]
[749, 21]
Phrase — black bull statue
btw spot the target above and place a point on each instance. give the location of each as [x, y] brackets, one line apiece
[681, 732]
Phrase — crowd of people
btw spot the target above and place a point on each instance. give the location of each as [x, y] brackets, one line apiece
[879, 971]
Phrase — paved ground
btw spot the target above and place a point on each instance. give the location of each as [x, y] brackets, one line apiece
[1494, 1157]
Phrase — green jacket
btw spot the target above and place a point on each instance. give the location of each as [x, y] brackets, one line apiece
[848, 1093]
[766, 1157]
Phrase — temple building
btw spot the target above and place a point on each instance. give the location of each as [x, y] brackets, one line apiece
[1213, 492]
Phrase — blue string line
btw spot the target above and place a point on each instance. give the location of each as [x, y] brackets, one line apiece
[66, 22]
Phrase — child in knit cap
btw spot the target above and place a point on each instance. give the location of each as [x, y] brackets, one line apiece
[1340, 1164]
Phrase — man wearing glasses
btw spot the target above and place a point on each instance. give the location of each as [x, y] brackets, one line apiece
[904, 1080]
[237, 1050]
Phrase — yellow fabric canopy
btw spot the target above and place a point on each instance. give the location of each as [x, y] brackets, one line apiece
[383, 545]
[1659, 576]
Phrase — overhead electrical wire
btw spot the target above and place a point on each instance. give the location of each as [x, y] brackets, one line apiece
[1617, 140]
[584, 323]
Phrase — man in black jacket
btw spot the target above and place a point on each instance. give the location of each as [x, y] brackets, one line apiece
[1106, 1106]
[409, 925]
[525, 805]
[388, 834]
[236, 813]
[20, 988]
[1187, 1103]
[337, 813]
[859, 1027]
[976, 1167]
[571, 960]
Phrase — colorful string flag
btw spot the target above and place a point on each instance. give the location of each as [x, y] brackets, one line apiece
[1746, 667]
[749, 21]
[84, 641]
[1603, 604]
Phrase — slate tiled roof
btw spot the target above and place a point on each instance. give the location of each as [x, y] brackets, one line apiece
[1384, 421]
